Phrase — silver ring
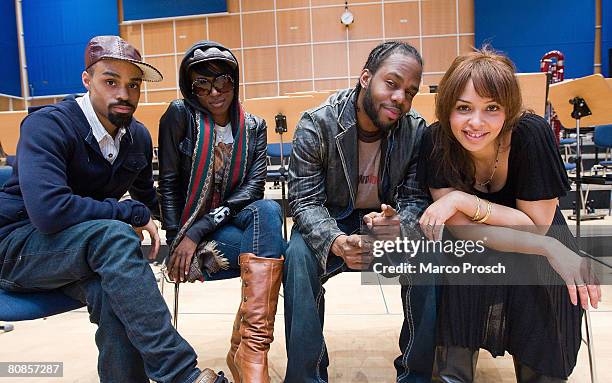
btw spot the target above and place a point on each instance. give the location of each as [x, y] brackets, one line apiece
[429, 225]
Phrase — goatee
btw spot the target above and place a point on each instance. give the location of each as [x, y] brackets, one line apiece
[121, 120]
[370, 110]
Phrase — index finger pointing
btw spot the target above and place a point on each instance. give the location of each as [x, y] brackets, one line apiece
[388, 211]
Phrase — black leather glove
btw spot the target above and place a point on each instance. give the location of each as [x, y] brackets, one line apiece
[209, 223]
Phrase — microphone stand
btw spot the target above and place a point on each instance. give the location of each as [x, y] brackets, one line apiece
[281, 127]
[581, 109]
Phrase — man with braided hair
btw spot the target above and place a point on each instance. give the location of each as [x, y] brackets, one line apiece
[354, 161]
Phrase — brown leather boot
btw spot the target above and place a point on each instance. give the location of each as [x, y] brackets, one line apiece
[261, 280]
[234, 342]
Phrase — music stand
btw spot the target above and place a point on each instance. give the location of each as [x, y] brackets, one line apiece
[582, 101]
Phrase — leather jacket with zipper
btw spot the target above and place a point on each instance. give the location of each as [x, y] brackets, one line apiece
[177, 130]
[324, 171]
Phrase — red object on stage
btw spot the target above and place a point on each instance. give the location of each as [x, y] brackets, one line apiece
[553, 63]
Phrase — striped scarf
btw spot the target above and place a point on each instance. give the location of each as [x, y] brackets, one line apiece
[200, 188]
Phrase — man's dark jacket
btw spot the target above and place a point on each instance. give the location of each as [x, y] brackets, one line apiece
[60, 177]
[324, 171]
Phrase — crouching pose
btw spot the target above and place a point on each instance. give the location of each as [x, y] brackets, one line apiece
[494, 172]
[355, 157]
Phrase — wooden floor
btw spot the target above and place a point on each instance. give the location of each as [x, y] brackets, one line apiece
[361, 327]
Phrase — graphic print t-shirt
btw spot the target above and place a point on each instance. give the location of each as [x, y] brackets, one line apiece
[369, 164]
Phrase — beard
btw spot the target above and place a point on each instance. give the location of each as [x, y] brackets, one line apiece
[121, 120]
[372, 113]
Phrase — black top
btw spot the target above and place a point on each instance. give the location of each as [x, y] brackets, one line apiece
[538, 325]
[535, 168]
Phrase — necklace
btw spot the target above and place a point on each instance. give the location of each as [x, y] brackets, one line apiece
[487, 182]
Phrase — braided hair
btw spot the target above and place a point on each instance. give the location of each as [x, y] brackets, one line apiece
[384, 50]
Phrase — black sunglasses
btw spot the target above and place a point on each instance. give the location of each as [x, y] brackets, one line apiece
[202, 87]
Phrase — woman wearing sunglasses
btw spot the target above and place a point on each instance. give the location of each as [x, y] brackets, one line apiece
[212, 158]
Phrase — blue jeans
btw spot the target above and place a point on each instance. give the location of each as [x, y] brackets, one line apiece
[255, 229]
[100, 263]
[303, 279]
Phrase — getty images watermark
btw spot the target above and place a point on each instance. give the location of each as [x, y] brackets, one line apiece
[488, 256]
[404, 248]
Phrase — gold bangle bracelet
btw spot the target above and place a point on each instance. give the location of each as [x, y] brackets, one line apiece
[488, 214]
[476, 216]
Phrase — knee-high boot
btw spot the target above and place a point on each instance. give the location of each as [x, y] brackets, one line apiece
[454, 364]
[261, 280]
[234, 343]
[525, 374]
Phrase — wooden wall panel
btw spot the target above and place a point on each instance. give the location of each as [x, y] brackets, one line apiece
[323, 85]
[466, 16]
[281, 4]
[149, 115]
[294, 62]
[261, 90]
[292, 107]
[431, 79]
[226, 30]
[9, 129]
[326, 25]
[293, 26]
[44, 101]
[238, 54]
[401, 19]
[257, 5]
[358, 54]
[330, 60]
[425, 104]
[5, 104]
[233, 6]
[367, 24]
[168, 67]
[18, 105]
[295, 86]
[265, 27]
[158, 38]
[439, 17]
[188, 32]
[258, 29]
[259, 65]
[131, 33]
[162, 96]
[326, 2]
[533, 91]
[438, 52]
[466, 44]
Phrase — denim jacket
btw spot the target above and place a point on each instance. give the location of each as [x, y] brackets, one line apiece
[324, 167]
